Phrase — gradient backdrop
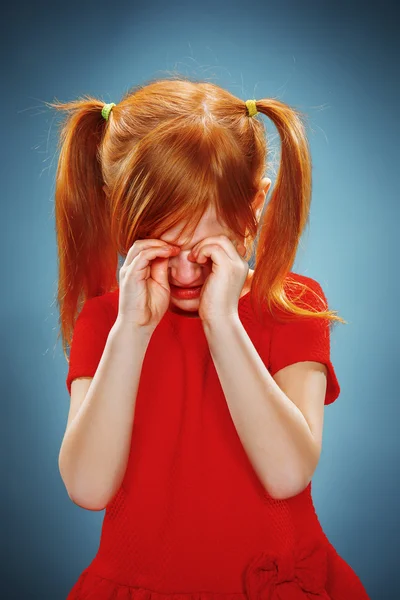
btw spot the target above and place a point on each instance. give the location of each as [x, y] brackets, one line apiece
[335, 61]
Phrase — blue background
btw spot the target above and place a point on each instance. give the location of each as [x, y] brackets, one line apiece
[335, 61]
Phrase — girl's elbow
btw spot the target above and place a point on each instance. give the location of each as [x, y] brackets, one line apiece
[287, 490]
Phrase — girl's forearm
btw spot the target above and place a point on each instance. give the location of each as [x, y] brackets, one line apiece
[95, 449]
[272, 429]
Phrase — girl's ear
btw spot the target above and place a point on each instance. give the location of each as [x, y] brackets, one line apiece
[265, 184]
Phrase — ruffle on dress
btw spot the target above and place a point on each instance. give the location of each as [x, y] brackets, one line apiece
[94, 587]
[301, 575]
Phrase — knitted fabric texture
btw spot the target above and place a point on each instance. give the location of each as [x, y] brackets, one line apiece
[251, 107]
[107, 108]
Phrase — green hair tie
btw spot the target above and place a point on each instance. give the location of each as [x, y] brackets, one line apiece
[251, 107]
[105, 111]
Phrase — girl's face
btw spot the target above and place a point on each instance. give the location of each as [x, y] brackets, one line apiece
[184, 273]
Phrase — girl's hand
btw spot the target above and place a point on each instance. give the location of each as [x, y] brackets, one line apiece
[221, 291]
[144, 293]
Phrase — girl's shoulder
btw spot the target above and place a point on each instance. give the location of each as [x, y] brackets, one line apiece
[109, 300]
[101, 308]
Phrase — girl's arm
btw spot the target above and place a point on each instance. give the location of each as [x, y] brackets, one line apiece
[95, 449]
[274, 432]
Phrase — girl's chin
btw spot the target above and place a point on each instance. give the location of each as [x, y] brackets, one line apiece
[185, 307]
[185, 300]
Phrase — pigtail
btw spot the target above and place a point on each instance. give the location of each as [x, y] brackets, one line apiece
[285, 218]
[87, 258]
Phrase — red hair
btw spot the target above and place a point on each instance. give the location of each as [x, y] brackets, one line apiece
[168, 150]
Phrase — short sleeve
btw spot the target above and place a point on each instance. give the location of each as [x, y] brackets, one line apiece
[89, 338]
[305, 339]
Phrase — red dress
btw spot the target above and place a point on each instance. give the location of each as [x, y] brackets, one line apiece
[191, 520]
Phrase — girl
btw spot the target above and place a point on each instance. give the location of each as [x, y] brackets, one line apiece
[197, 384]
